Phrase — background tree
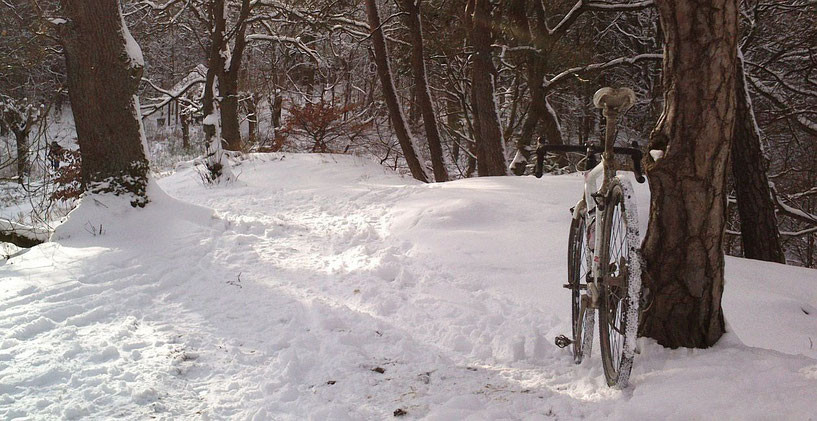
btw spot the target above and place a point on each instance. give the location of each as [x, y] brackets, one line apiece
[401, 129]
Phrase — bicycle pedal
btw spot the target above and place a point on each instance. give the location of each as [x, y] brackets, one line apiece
[563, 341]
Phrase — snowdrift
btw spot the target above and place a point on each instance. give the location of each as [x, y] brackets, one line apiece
[326, 287]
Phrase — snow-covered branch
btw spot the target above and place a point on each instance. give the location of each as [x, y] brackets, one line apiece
[22, 235]
[562, 76]
[582, 6]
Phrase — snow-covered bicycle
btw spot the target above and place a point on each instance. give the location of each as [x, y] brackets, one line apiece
[603, 258]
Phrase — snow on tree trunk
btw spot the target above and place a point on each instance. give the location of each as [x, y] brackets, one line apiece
[401, 129]
[104, 66]
[683, 249]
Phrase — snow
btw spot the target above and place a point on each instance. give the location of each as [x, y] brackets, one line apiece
[326, 287]
[132, 47]
[656, 154]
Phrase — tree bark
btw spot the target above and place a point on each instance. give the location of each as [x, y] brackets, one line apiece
[490, 145]
[104, 67]
[683, 249]
[395, 112]
[418, 65]
[758, 221]
[228, 84]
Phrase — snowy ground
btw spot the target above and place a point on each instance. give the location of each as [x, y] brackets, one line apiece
[326, 288]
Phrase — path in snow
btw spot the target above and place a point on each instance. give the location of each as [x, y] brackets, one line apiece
[318, 270]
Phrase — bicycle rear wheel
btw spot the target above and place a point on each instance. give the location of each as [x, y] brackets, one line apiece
[583, 318]
[620, 289]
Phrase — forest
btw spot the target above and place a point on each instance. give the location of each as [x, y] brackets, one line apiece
[271, 107]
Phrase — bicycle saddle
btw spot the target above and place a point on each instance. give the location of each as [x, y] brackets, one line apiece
[617, 100]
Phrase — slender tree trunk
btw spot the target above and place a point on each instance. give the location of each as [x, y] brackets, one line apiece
[683, 250]
[215, 65]
[21, 139]
[104, 67]
[185, 121]
[758, 221]
[276, 107]
[252, 117]
[490, 145]
[395, 113]
[418, 65]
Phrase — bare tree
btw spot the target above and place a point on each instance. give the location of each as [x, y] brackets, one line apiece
[389, 93]
[683, 249]
[418, 66]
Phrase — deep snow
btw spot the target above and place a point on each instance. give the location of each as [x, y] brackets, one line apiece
[317, 272]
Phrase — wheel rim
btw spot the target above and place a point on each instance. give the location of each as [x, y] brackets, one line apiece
[579, 270]
[614, 288]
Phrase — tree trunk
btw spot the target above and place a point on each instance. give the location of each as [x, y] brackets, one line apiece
[230, 126]
[418, 65]
[104, 67]
[185, 120]
[395, 113]
[215, 66]
[275, 108]
[758, 221]
[228, 83]
[252, 118]
[490, 145]
[21, 138]
[683, 250]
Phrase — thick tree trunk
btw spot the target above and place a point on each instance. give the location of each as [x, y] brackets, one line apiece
[228, 81]
[683, 250]
[230, 126]
[418, 65]
[758, 221]
[104, 67]
[490, 145]
[395, 113]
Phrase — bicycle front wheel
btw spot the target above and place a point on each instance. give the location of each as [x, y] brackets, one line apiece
[577, 271]
[620, 289]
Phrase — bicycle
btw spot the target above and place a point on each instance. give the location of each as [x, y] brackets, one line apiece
[606, 267]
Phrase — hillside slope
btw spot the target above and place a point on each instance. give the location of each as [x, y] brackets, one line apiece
[325, 287]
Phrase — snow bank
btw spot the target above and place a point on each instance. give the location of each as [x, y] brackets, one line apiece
[114, 220]
[330, 288]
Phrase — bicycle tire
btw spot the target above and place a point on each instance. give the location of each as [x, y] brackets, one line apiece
[620, 288]
[582, 320]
